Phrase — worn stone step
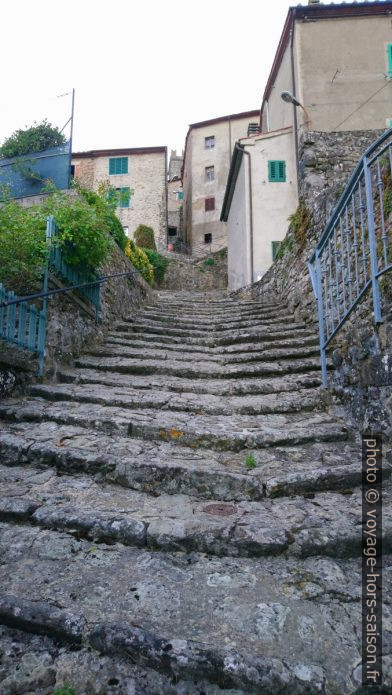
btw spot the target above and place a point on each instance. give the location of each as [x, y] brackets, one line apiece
[228, 433]
[125, 397]
[270, 353]
[102, 512]
[198, 370]
[287, 383]
[207, 319]
[188, 348]
[146, 326]
[255, 624]
[215, 323]
[157, 466]
[213, 341]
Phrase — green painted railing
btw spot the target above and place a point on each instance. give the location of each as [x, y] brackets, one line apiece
[75, 276]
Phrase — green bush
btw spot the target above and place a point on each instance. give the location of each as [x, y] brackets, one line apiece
[208, 262]
[159, 264]
[23, 249]
[39, 137]
[139, 260]
[105, 202]
[64, 690]
[144, 237]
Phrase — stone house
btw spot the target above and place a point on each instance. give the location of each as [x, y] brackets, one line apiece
[174, 198]
[336, 61]
[208, 149]
[140, 174]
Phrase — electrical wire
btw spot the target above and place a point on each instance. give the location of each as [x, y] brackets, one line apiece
[359, 107]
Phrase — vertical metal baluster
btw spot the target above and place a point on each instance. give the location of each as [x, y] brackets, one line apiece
[335, 254]
[383, 231]
[321, 320]
[342, 266]
[348, 248]
[22, 324]
[10, 333]
[32, 336]
[362, 215]
[325, 296]
[355, 247]
[372, 241]
[2, 311]
[331, 294]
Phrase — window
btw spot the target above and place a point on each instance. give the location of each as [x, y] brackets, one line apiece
[118, 165]
[275, 248]
[209, 143]
[124, 196]
[208, 238]
[389, 122]
[209, 204]
[389, 53]
[210, 173]
[180, 195]
[277, 171]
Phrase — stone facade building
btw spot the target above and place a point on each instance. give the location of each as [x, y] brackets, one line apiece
[140, 175]
[336, 60]
[208, 149]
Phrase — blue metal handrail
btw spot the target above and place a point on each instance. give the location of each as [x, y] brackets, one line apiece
[354, 248]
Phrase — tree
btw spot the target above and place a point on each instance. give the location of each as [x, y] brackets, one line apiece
[39, 137]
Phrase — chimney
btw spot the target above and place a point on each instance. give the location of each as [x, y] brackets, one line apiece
[313, 2]
[253, 129]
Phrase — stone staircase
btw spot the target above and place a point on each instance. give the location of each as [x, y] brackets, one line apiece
[181, 514]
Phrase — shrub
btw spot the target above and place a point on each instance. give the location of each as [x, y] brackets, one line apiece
[39, 137]
[82, 230]
[139, 260]
[23, 249]
[144, 237]
[105, 202]
[300, 223]
[159, 264]
[208, 262]
[64, 690]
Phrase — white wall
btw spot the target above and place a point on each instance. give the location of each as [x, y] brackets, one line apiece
[272, 203]
[238, 236]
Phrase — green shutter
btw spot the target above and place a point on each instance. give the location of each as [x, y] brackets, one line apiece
[389, 53]
[275, 247]
[118, 165]
[125, 197]
[277, 171]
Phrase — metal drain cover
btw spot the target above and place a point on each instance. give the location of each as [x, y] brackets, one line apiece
[220, 509]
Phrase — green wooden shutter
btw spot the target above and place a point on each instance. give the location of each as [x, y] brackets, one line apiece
[125, 197]
[389, 52]
[118, 165]
[275, 247]
[112, 167]
[277, 171]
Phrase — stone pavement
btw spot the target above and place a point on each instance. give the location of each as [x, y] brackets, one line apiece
[181, 514]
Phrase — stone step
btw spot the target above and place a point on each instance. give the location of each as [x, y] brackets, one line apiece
[146, 326]
[215, 323]
[221, 387]
[211, 341]
[206, 318]
[224, 433]
[103, 513]
[125, 397]
[260, 625]
[157, 467]
[207, 369]
[240, 357]
[189, 348]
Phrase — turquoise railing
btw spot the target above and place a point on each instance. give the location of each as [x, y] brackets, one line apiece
[355, 248]
[75, 276]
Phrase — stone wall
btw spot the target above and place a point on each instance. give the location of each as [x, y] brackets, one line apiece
[186, 273]
[72, 329]
[361, 352]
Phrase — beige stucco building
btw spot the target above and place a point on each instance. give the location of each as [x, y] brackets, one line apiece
[141, 176]
[208, 149]
[336, 60]
[175, 198]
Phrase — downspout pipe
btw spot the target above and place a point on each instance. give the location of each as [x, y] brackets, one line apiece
[244, 151]
[292, 32]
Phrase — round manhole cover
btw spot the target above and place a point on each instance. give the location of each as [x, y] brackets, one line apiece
[220, 509]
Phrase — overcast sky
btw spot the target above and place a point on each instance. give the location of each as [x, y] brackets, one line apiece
[142, 69]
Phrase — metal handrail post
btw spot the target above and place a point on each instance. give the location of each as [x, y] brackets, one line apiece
[372, 242]
[320, 310]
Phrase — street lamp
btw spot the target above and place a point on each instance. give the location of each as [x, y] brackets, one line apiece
[290, 99]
